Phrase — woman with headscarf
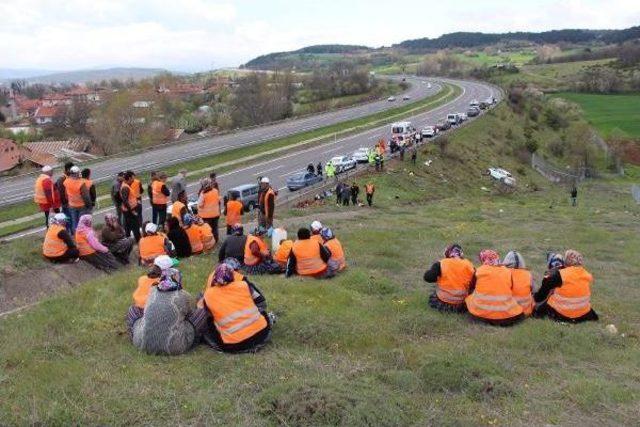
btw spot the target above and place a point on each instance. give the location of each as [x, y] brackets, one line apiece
[165, 325]
[114, 238]
[565, 294]
[257, 258]
[337, 262]
[208, 239]
[238, 310]
[453, 276]
[491, 299]
[153, 244]
[194, 233]
[90, 248]
[178, 238]
[522, 281]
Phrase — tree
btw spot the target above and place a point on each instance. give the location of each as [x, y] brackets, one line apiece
[77, 116]
[580, 149]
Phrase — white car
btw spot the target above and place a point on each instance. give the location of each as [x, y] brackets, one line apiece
[462, 116]
[361, 155]
[502, 175]
[343, 163]
[391, 98]
[406, 98]
[429, 132]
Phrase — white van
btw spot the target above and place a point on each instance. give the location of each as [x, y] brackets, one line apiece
[403, 132]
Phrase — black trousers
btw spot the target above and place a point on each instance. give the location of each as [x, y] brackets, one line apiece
[369, 199]
[139, 210]
[118, 208]
[131, 225]
[71, 253]
[159, 214]
[213, 223]
[354, 199]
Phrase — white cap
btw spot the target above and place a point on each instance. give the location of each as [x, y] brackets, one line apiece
[74, 169]
[264, 180]
[163, 261]
[316, 225]
[151, 228]
[60, 217]
[46, 169]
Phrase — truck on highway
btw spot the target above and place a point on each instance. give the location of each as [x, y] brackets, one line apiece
[403, 133]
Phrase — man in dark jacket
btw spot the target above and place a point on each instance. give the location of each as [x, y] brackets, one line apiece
[233, 245]
[115, 196]
[355, 190]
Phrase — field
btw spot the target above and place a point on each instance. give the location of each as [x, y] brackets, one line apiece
[517, 58]
[364, 348]
[550, 76]
[609, 112]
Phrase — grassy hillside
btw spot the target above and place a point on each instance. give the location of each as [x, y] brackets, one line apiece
[364, 348]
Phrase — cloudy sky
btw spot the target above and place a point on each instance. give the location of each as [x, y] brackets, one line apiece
[192, 35]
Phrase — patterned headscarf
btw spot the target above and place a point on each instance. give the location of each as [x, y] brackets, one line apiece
[327, 233]
[111, 220]
[259, 231]
[554, 261]
[453, 251]
[206, 184]
[170, 280]
[233, 263]
[188, 219]
[223, 275]
[489, 257]
[237, 229]
[573, 258]
[84, 224]
[514, 259]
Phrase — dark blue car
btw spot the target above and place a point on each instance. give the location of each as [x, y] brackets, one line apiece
[301, 180]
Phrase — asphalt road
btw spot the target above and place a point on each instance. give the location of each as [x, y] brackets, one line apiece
[280, 167]
[20, 188]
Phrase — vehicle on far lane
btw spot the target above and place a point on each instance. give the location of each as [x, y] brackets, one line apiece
[343, 163]
[302, 180]
[361, 155]
[429, 132]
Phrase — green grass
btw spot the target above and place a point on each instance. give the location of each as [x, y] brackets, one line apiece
[480, 58]
[609, 112]
[364, 348]
[550, 76]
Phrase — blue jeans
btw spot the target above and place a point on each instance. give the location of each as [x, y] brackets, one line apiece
[67, 212]
[75, 214]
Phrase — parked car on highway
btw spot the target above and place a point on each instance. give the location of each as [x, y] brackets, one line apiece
[343, 163]
[474, 103]
[247, 194]
[406, 98]
[391, 98]
[453, 119]
[429, 132]
[361, 155]
[443, 125]
[462, 116]
[473, 112]
[301, 180]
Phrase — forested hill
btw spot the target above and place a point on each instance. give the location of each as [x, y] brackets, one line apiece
[296, 57]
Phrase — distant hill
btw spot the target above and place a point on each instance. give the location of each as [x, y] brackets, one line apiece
[85, 76]
[22, 73]
[303, 58]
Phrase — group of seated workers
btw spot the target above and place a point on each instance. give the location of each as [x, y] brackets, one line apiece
[230, 315]
[504, 292]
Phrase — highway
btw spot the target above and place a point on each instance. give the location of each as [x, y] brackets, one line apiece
[280, 167]
[20, 188]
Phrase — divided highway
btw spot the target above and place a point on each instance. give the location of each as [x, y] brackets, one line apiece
[280, 167]
[20, 188]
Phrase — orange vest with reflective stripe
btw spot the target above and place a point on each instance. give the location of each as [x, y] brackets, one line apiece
[39, 196]
[369, 188]
[136, 187]
[195, 238]
[208, 241]
[132, 200]
[249, 257]
[234, 211]
[142, 292]
[573, 298]
[521, 289]
[282, 254]
[337, 253]
[158, 197]
[454, 280]
[492, 298]
[73, 187]
[234, 313]
[151, 247]
[308, 260]
[54, 246]
[175, 210]
[210, 207]
[237, 277]
[83, 244]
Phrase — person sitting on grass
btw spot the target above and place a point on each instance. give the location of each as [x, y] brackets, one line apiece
[453, 276]
[308, 257]
[565, 294]
[337, 261]
[491, 299]
[90, 248]
[178, 238]
[146, 282]
[316, 229]
[113, 237]
[153, 244]
[58, 246]
[282, 254]
[233, 246]
[208, 239]
[257, 259]
[194, 233]
[522, 281]
[237, 308]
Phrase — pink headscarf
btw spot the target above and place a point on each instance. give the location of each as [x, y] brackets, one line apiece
[84, 227]
[489, 257]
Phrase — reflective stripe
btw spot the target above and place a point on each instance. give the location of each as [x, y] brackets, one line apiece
[235, 315]
[451, 295]
[241, 325]
[523, 300]
[493, 297]
[501, 307]
[571, 303]
[255, 294]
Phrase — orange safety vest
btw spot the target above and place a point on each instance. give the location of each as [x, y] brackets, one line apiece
[573, 298]
[142, 292]
[195, 238]
[521, 289]
[151, 247]
[210, 207]
[249, 257]
[83, 244]
[266, 205]
[492, 299]
[54, 246]
[282, 254]
[454, 280]
[175, 210]
[337, 253]
[308, 260]
[133, 200]
[39, 195]
[237, 277]
[369, 188]
[136, 187]
[73, 187]
[234, 212]
[234, 313]
[156, 193]
[87, 182]
[208, 241]
[317, 238]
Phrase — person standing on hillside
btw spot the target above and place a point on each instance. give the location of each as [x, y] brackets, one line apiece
[86, 177]
[355, 190]
[137, 189]
[319, 169]
[414, 155]
[159, 197]
[369, 190]
[77, 196]
[130, 207]
[233, 212]
[62, 192]
[115, 196]
[267, 203]
[574, 196]
[209, 206]
[178, 185]
[45, 194]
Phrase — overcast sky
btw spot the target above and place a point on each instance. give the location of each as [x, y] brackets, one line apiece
[193, 35]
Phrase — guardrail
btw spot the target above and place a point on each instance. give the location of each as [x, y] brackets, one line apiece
[635, 192]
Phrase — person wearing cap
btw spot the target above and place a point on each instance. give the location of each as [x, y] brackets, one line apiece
[209, 205]
[316, 229]
[45, 194]
[257, 258]
[234, 244]
[115, 196]
[178, 185]
[62, 192]
[194, 233]
[452, 275]
[267, 203]
[178, 238]
[86, 177]
[337, 261]
[159, 197]
[77, 195]
[308, 257]
[167, 324]
[234, 209]
[130, 206]
[153, 244]
[90, 248]
[58, 246]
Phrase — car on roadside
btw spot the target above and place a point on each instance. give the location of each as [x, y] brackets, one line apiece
[361, 155]
[443, 125]
[406, 98]
[302, 180]
[462, 116]
[343, 163]
[247, 194]
[391, 98]
[429, 132]
[473, 112]
[474, 103]
[453, 119]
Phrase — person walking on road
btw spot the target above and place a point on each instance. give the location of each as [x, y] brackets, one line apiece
[574, 196]
[355, 190]
[115, 196]
[178, 185]
[370, 189]
[45, 194]
[267, 203]
[130, 207]
[159, 197]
